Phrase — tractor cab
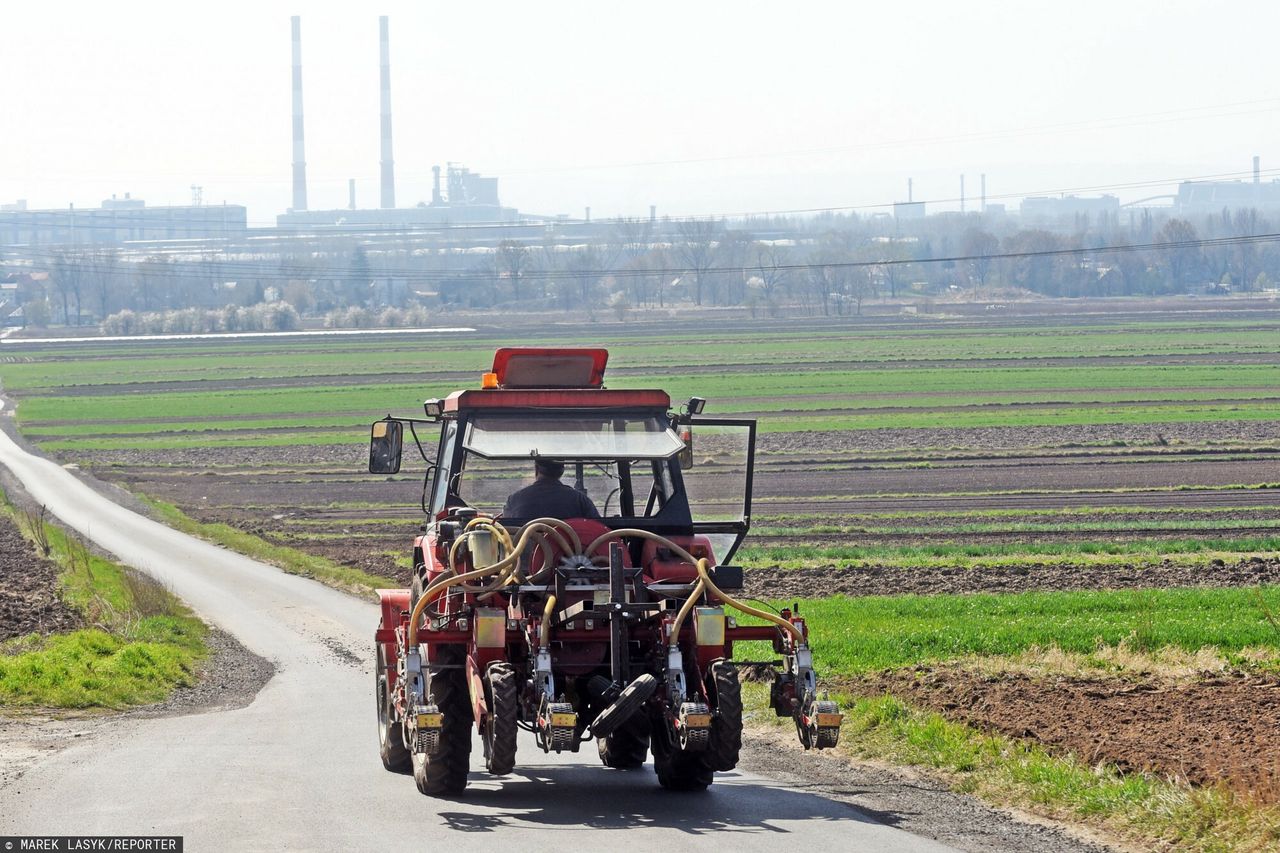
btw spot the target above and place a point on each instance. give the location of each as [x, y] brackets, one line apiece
[627, 451]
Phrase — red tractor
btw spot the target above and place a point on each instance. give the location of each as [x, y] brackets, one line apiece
[617, 626]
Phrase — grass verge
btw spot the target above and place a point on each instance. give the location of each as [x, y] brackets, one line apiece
[142, 641]
[291, 560]
[1156, 813]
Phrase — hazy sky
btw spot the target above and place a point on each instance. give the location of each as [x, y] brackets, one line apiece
[770, 106]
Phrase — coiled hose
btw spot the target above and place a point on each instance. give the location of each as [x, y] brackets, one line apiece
[539, 531]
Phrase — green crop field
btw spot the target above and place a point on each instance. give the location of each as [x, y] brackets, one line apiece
[872, 633]
[297, 391]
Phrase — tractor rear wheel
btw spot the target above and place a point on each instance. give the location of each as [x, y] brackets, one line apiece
[726, 729]
[500, 726]
[445, 770]
[626, 748]
[682, 771]
[395, 755]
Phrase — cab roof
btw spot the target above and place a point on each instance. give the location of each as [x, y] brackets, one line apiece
[565, 398]
[551, 378]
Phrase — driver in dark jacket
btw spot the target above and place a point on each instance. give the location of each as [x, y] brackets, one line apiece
[548, 497]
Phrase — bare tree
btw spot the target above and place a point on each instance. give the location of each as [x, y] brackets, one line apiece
[1181, 260]
[979, 246]
[66, 274]
[770, 262]
[697, 250]
[513, 261]
[104, 282]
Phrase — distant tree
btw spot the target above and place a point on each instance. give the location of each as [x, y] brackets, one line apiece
[696, 248]
[512, 260]
[770, 262]
[67, 276]
[358, 278]
[1180, 260]
[979, 246]
[36, 313]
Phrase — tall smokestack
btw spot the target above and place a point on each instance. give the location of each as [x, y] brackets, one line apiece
[351, 193]
[436, 198]
[299, 158]
[910, 190]
[962, 193]
[1257, 169]
[984, 192]
[388, 167]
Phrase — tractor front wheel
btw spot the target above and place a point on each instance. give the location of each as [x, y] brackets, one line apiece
[445, 770]
[500, 726]
[391, 746]
[626, 748]
[682, 771]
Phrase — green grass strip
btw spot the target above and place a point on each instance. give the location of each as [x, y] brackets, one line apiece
[291, 560]
[144, 644]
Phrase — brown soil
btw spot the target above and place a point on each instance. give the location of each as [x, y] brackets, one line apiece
[1214, 731]
[772, 583]
[29, 601]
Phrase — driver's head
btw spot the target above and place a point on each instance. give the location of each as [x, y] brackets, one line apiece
[551, 469]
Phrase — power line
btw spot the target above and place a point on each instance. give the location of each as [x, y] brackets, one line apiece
[284, 274]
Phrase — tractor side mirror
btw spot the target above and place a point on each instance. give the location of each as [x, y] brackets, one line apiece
[686, 455]
[386, 440]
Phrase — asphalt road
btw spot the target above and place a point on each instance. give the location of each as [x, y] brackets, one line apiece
[298, 768]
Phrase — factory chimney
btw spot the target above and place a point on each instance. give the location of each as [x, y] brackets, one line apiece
[1257, 169]
[983, 184]
[351, 193]
[910, 188]
[435, 185]
[962, 193]
[299, 159]
[388, 167]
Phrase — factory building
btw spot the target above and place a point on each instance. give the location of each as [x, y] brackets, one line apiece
[1049, 210]
[467, 198]
[119, 220]
[1212, 197]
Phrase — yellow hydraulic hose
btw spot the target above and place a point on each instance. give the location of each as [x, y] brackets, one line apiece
[704, 578]
[544, 633]
[689, 604]
[505, 567]
[539, 529]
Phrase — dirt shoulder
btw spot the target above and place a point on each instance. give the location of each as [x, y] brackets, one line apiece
[1218, 730]
[908, 800]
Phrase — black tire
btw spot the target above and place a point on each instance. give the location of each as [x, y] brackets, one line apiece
[683, 771]
[391, 747]
[500, 727]
[628, 747]
[445, 770]
[624, 708]
[725, 692]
